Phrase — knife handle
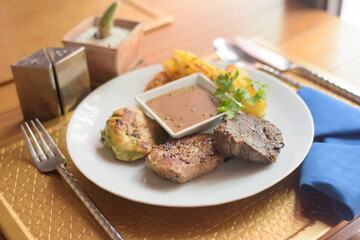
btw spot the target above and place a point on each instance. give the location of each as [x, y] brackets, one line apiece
[335, 87]
[281, 76]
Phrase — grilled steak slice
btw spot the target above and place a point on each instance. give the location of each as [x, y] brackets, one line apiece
[184, 159]
[249, 138]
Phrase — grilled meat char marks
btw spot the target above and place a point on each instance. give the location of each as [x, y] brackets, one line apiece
[184, 159]
[249, 138]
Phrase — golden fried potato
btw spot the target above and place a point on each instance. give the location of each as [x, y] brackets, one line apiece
[130, 134]
[184, 63]
[189, 63]
[159, 79]
[172, 69]
[258, 109]
[240, 81]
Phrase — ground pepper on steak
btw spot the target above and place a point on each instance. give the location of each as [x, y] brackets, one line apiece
[249, 138]
[184, 159]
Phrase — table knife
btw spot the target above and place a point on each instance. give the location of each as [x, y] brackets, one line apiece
[232, 54]
[281, 64]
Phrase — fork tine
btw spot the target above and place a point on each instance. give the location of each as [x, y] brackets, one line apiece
[37, 146]
[42, 140]
[30, 146]
[49, 139]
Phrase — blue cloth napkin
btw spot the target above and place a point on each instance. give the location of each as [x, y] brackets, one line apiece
[332, 166]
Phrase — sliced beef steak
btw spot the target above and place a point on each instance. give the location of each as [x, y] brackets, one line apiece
[184, 159]
[249, 138]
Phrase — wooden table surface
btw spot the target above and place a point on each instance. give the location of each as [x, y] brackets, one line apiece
[309, 34]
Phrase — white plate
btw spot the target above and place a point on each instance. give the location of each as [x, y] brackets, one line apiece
[231, 181]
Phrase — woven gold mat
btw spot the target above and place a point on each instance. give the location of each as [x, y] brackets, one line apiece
[42, 206]
[49, 210]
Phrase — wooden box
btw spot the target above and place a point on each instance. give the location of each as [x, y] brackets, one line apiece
[105, 63]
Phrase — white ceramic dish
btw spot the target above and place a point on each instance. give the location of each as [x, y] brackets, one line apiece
[231, 181]
[193, 79]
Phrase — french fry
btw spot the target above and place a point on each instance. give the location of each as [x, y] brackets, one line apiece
[258, 108]
[159, 79]
[172, 69]
[189, 63]
[240, 81]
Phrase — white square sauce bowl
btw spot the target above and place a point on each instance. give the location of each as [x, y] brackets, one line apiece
[194, 79]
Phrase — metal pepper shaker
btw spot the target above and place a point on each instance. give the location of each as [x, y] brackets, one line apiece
[51, 81]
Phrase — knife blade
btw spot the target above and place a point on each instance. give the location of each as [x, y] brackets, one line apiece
[232, 54]
[281, 63]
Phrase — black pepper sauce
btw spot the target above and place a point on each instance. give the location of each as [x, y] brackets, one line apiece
[184, 107]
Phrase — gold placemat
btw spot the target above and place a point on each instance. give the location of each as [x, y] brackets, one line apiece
[48, 209]
[42, 206]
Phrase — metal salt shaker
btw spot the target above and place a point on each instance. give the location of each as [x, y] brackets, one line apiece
[51, 82]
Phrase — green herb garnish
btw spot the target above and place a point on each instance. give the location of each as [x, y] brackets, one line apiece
[232, 99]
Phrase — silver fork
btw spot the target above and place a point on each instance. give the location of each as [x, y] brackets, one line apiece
[55, 160]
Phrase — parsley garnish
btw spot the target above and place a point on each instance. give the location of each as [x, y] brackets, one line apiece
[232, 98]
